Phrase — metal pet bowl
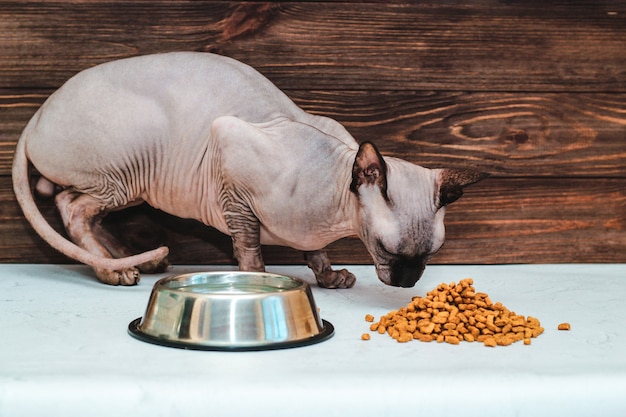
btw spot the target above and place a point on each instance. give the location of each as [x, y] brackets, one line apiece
[231, 311]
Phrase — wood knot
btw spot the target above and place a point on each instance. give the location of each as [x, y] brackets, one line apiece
[517, 136]
[247, 19]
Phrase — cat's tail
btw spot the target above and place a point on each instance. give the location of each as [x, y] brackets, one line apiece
[24, 195]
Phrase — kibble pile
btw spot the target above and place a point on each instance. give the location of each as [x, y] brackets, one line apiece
[453, 313]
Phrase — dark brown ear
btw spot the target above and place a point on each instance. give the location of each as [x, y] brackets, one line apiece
[369, 168]
[452, 181]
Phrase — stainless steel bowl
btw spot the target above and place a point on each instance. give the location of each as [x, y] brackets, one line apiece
[231, 311]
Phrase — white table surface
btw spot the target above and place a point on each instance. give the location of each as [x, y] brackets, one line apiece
[65, 351]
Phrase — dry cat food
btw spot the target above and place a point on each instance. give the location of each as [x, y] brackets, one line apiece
[453, 313]
[564, 326]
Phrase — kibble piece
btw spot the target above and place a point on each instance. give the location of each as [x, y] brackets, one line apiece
[405, 337]
[365, 336]
[453, 340]
[504, 340]
[564, 326]
[441, 318]
[537, 331]
[475, 331]
[369, 318]
[490, 341]
[423, 337]
[449, 326]
[428, 329]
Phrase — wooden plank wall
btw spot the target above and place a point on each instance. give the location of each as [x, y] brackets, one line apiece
[533, 92]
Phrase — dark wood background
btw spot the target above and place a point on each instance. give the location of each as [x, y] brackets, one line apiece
[533, 92]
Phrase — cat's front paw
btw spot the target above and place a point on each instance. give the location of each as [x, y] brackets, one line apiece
[336, 279]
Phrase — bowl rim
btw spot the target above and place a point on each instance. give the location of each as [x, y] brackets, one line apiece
[327, 332]
[163, 283]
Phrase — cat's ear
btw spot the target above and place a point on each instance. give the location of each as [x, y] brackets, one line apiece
[369, 168]
[452, 181]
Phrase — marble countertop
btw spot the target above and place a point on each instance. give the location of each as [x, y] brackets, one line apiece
[65, 351]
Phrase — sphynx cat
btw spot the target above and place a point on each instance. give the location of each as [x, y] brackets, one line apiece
[206, 137]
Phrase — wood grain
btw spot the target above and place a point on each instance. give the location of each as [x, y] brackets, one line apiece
[478, 46]
[530, 220]
[514, 134]
[532, 92]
